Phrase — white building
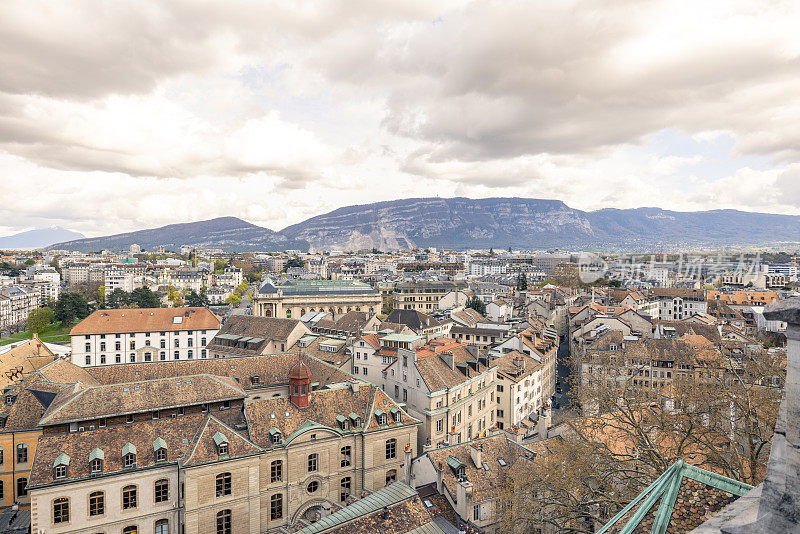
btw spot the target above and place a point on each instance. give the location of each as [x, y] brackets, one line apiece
[143, 335]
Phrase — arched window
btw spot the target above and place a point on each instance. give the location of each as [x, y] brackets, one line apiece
[129, 497]
[344, 489]
[97, 503]
[133, 529]
[22, 487]
[302, 311]
[224, 522]
[223, 484]
[276, 506]
[391, 449]
[61, 510]
[391, 476]
[22, 453]
[276, 471]
[161, 490]
[162, 526]
[347, 456]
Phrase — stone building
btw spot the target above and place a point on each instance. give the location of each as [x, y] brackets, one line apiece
[294, 298]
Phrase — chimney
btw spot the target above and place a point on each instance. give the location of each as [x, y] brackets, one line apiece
[476, 452]
[439, 485]
[464, 498]
[354, 385]
[407, 476]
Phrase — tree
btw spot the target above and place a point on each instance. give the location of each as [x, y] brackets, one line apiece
[219, 266]
[234, 299]
[40, 318]
[175, 296]
[30, 261]
[143, 297]
[100, 296]
[119, 298]
[71, 306]
[476, 304]
[195, 300]
[522, 281]
[295, 262]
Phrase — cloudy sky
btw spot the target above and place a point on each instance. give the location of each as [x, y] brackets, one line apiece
[123, 115]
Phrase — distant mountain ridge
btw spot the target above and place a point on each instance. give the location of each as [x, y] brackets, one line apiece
[41, 237]
[461, 223]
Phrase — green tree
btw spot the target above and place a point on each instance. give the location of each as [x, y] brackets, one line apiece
[143, 297]
[29, 262]
[195, 300]
[175, 296]
[522, 281]
[219, 266]
[476, 304]
[100, 296]
[295, 262]
[118, 298]
[40, 318]
[71, 306]
[234, 299]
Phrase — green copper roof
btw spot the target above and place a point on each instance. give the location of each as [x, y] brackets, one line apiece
[159, 443]
[666, 488]
[129, 448]
[384, 497]
[97, 454]
[219, 438]
[61, 459]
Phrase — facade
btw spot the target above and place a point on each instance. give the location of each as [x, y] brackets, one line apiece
[679, 304]
[294, 298]
[16, 302]
[143, 335]
[423, 296]
[279, 463]
[520, 392]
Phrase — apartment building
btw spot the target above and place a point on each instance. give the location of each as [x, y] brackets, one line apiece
[675, 304]
[282, 462]
[423, 296]
[542, 346]
[443, 383]
[143, 335]
[520, 388]
[16, 302]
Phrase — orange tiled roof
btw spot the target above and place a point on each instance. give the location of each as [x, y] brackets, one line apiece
[147, 320]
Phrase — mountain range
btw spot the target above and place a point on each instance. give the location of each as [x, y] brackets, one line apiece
[38, 238]
[461, 223]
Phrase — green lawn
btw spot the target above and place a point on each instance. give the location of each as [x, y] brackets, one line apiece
[55, 333]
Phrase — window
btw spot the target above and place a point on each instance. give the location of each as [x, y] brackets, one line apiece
[102, 345]
[129, 460]
[88, 347]
[61, 510]
[476, 512]
[163, 344]
[2, 490]
[439, 425]
[132, 345]
[129, 497]
[224, 522]
[60, 471]
[162, 490]
[344, 489]
[190, 354]
[391, 476]
[118, 358]
[276, 506]
[176, 354]
[312, 462]
[133, 529]
[97, 503]
[177, 343]
[312, 486]
[191, 342]
[22, 453]
[276, 471]
[88, 360]
[161, 454]
[129, 418]
[391, 448]
[223, 484]
[22, 487]
[133, 357]
[347, 456]
[162, 526]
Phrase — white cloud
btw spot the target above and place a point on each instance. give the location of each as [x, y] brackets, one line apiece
[125, 115]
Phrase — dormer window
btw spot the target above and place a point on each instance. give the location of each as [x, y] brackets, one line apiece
[275, 435]
[60, 466]
[344, 423]
[96, 458]
[380, 416]
[160, 450]
[255, 380]
[396, 415]
[129, 456]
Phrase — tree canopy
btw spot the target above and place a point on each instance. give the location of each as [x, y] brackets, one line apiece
[40, 318]
[476, 304]
[71, 306]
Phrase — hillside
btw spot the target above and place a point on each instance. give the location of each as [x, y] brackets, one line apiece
[471, 223]
[229, 233]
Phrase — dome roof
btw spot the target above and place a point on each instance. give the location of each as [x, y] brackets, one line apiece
[300, 371]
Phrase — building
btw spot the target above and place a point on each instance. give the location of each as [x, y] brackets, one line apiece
[445, 384]
[294, 298]
[244, 470]
[679, 304]
[114, 279]
[143, 335]
[520, 392]
[16, 302]
[421, 323]
[469, 475]
[423, 296]
[247, 335]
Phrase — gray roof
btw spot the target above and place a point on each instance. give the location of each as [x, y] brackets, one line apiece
[317, 287]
